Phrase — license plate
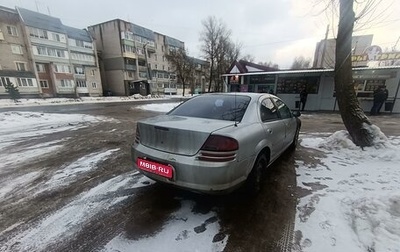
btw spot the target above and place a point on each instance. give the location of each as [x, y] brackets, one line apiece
[156, 168]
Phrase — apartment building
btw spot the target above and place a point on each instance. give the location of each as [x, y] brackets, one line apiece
[84, 63]
[15, 64]
[131, 54]
[201, 68]
[324, 56]
[51, 59]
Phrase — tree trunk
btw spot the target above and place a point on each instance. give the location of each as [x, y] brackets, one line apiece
[353, 116]
[211, 75]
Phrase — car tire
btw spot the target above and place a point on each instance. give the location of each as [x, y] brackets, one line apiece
[254, 180]
[295, 139]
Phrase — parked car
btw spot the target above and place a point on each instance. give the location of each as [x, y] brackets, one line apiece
[214, 143]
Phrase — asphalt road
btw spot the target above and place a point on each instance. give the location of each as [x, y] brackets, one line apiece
[263, 223]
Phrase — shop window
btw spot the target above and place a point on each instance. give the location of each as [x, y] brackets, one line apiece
[293, 85]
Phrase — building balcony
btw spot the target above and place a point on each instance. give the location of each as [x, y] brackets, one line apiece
[151, 49]
[143, 69]
[81, 49]
[46, 42]
[130, 55]
[130, 67]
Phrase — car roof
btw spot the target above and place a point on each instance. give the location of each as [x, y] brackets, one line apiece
[252, 95]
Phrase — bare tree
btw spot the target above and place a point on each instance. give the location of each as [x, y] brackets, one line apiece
[301, 63]
[183, 66]
[248, 58]
[269, 64]
[218, 49]
[354, 118]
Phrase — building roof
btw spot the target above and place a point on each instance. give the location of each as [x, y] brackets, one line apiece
[199, 61]
[78, 34]
[243, 66]
[315, 70]
[2, 8]
[173, 42]
[41, 21]
[143, 32]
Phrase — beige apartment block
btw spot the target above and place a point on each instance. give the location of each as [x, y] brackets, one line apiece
[64, 57]
[131, 55]
[15, 64]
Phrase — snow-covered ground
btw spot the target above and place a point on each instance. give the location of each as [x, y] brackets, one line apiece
[354, 200]
[351, 200]
[23, 102]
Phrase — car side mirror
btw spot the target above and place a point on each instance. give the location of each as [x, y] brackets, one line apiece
[296, 113]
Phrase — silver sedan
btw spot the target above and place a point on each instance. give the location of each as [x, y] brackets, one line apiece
[214, 143]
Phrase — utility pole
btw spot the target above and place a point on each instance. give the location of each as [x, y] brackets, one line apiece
[395, 45]
[147, 63]
[324, 48]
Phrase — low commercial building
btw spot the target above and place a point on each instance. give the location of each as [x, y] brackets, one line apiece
[319, 83]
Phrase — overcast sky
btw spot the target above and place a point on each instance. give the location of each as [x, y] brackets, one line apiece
[269, 30]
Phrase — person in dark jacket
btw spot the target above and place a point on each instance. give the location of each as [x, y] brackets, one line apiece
[303, 98]
[380, 96]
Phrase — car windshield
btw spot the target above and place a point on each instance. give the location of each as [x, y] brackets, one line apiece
[220, 107]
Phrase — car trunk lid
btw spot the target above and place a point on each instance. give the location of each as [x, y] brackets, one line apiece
[177, 134]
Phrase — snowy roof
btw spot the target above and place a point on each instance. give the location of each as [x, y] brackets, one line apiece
[320, 70]
[76, 33]
[41, 21]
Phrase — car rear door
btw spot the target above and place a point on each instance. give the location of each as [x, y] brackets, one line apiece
[288, 120]
[274, 129]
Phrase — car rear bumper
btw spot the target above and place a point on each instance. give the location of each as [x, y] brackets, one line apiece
[193, 174]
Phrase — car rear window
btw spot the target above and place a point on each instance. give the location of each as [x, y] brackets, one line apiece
[220, 107]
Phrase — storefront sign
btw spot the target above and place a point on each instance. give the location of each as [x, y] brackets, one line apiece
[374, 53]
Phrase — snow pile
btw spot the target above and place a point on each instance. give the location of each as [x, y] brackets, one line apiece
[353, 196]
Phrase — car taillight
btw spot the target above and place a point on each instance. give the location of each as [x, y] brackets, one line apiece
[137, 137]
[219, 149]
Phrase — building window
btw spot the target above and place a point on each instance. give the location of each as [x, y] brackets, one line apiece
[16, 49]
[130, 74]
[22, 82]
[163, 58]
[81, 83]
[130, 49]
[40, 68]
[162, 48]
[12, 30]
[79, 43]
[44, 84]
[92, 72]
[142, 75]
[82, 57]
[21, 66]
[163, 67]
[38, 33]
[66, 83]
[155, 56]
[4, 81]
[1, 35]
[56, 37]
[44, 51]
[94, 85]
[79, 70]
[62, 68]
[155, 66]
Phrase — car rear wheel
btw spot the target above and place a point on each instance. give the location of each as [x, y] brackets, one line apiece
[295, 139]
[254, 181]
